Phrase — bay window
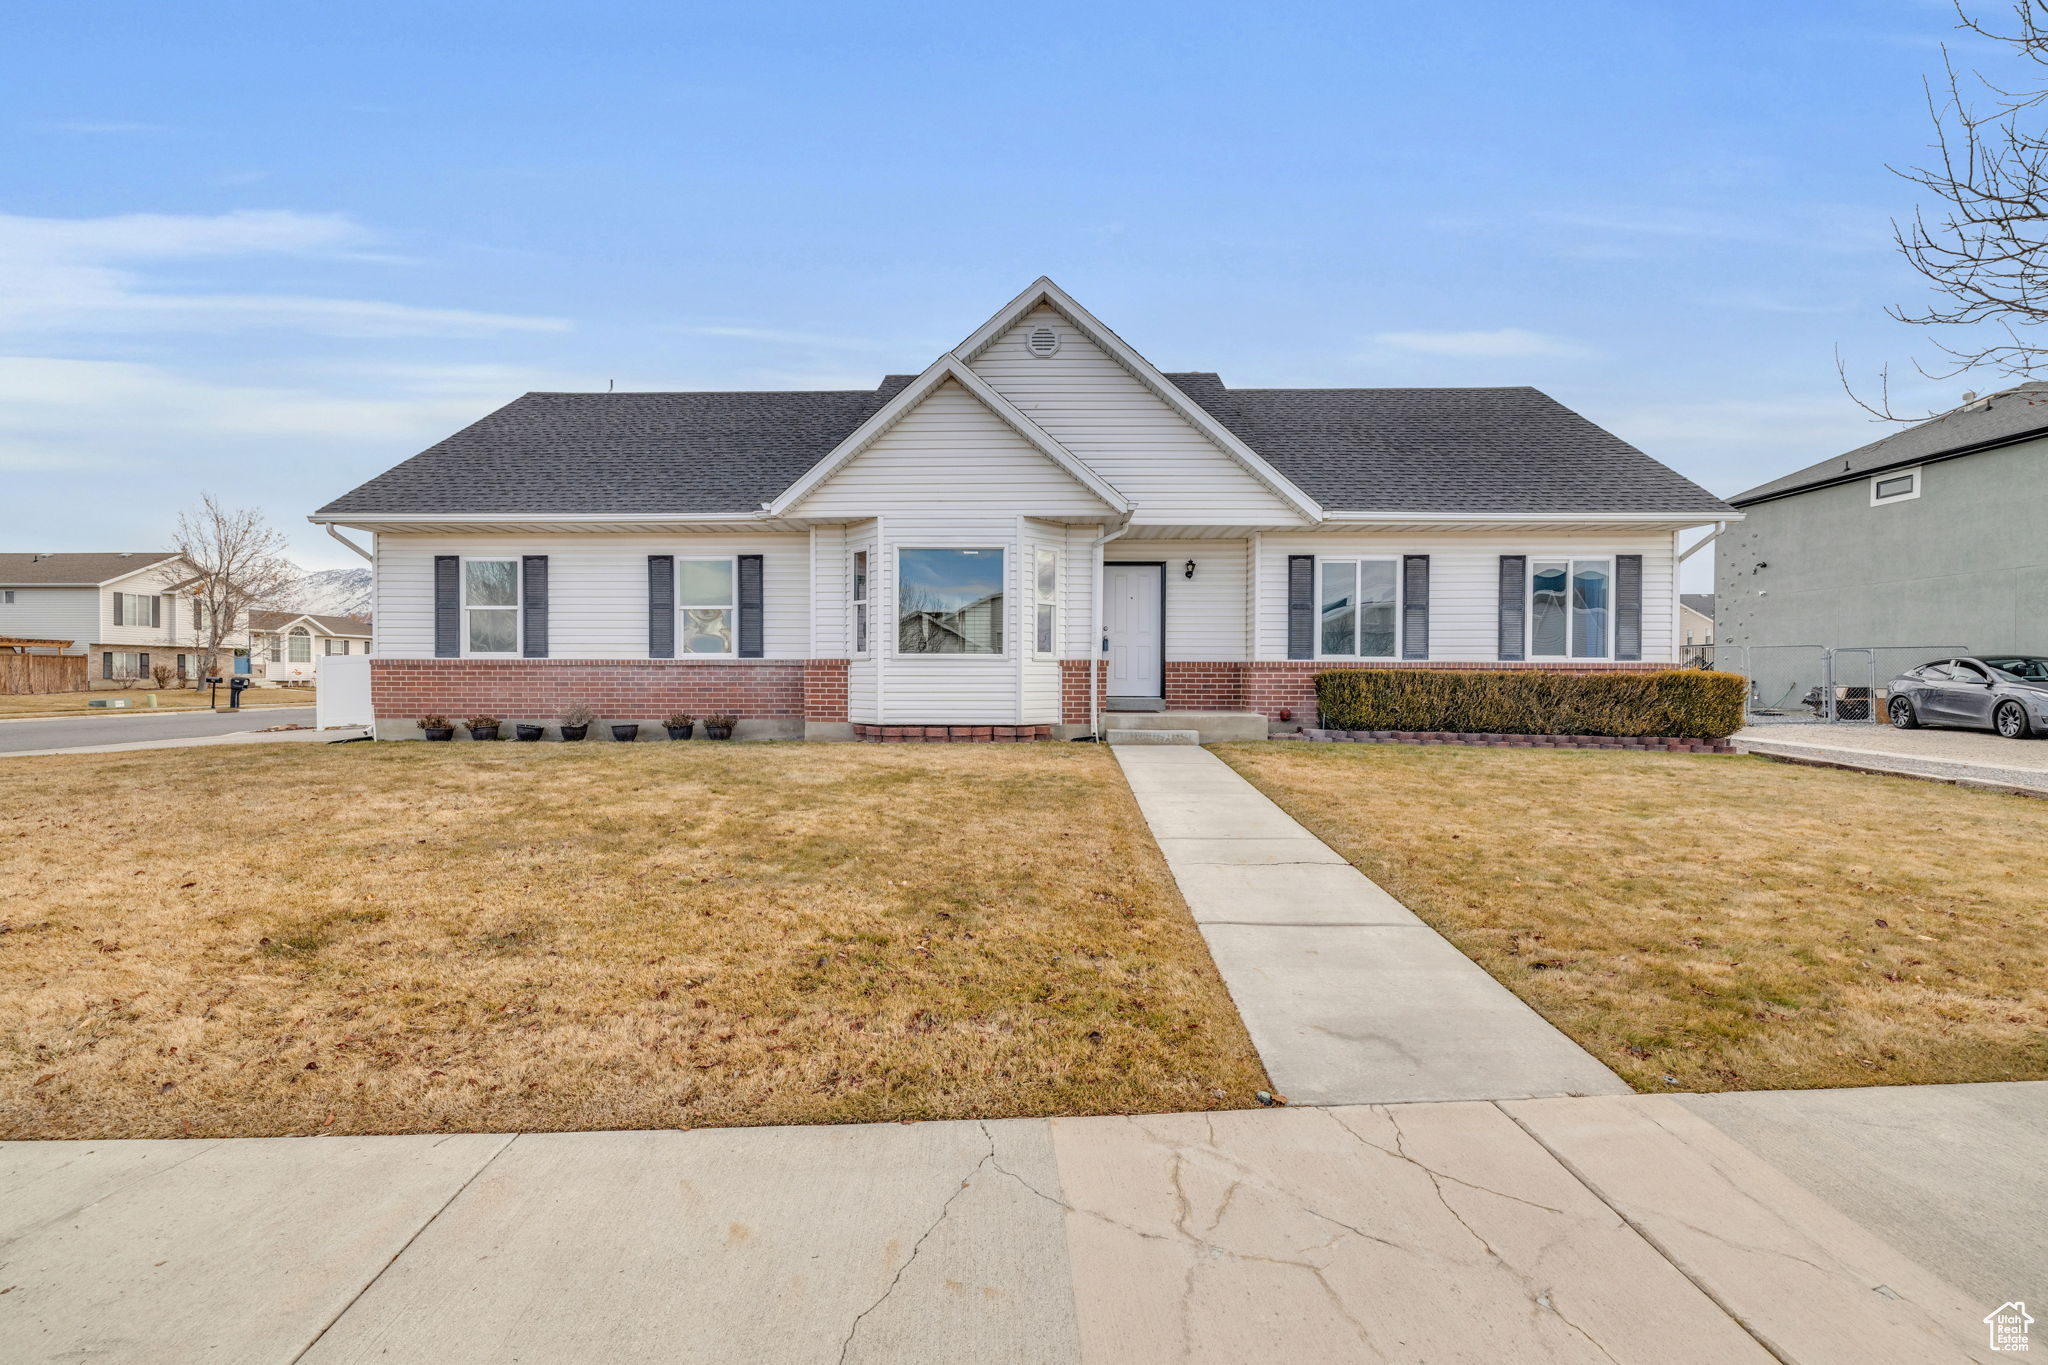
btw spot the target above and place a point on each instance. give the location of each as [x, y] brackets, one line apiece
[860, 601]
[705, 600]
[949, 601]
[1046, 589]
[1571, 612]
[490, 607]
[1358, 608]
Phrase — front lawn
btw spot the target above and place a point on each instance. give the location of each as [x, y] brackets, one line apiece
[493, 937]
[177, 699]
[1711, 923]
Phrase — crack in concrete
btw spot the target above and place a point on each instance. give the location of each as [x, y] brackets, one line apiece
[945, 1210]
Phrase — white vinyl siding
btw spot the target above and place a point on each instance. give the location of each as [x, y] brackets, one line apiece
[174, 624]
[53, 614]
[597, 588]
[950, 453]
[1205, 615]
[1464, 582]
[1127, 434]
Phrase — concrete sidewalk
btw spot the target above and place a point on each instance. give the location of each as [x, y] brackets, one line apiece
[1349, 998]
[252, 731]
[1597, 1230]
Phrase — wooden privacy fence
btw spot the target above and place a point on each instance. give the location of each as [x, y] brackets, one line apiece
[22, 673]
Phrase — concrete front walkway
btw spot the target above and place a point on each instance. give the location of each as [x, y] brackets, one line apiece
[1597, 1230]
[1349, 998]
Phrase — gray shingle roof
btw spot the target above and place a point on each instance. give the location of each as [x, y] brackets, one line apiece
[56, 569]
[1445, 450]
[333, 625]
[2016, 413]
[1701, 602]
[1406, 450]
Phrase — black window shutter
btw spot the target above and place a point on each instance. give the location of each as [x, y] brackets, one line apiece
[750, 607]
[533, 571]
[1301, 606]
[107, 663]
[1628, 606]
[447, 606]
[1514, 605]
[1415, 607]
[661, 606]
[142, 665]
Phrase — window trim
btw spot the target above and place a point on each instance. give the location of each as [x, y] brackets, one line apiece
[1009, 631]
[732, 576]
[1042, 599]
[123, 609]
[1400, 604]
[1892, 476]
[517, 607]
[1572, 562]
[860, 596]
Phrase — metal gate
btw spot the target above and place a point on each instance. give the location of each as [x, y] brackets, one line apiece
[1832, 684]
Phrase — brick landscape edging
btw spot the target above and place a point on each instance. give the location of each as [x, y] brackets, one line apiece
[951, 734]
[1659, 743]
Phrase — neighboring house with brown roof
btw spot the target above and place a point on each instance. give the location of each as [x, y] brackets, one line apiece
[286, 646]
[953, 551]
[123, 609]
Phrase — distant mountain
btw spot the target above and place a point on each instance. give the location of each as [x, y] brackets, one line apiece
[334, 592]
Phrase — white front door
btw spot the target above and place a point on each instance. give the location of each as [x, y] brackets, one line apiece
[1133, 605]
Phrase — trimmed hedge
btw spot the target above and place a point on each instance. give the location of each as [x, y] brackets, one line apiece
[1681, 703]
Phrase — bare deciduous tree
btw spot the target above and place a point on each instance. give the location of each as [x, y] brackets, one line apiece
[1983, 245]
[241, 564]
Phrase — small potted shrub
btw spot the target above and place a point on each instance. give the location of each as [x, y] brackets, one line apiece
[437, 727]
[680, 726]
[719, 727]
[529, 733]
[627, 732]
[575, 722]
[483, 727]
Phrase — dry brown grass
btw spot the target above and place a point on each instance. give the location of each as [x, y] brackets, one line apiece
[1730, 922]
[78, 703]
[448, 938]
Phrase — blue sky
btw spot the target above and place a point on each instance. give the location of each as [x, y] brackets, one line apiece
[269, 250]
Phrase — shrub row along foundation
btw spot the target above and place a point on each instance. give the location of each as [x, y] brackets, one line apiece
[1668, 743]
[951, 734]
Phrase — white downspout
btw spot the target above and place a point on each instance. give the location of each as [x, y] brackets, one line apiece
[1095, 641]
[350, 543]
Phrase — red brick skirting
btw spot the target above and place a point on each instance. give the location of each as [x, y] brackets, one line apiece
[1074, 688]
[1658, 742]
[951, 734]
[629, 689]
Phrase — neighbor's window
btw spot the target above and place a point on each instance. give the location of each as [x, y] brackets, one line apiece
[860, 601]
[490, 606]
[1359, 608]
[1895, 487]
[301, 643]
[705, 601]
[949, 601]
[1047, 595]
[277, 649]
[1570, 608]
[137, 609]
[123, 664]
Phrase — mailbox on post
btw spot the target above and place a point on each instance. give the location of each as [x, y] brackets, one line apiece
[235, 686]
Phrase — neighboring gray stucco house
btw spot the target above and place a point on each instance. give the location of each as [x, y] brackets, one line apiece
[1935, 536]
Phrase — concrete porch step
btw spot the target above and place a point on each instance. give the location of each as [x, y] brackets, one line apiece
[1155, 736]
[1214, 727]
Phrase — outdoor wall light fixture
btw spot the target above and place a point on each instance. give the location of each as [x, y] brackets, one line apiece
[1189, 571]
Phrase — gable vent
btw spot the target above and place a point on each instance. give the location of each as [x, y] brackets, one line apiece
[1043, 342]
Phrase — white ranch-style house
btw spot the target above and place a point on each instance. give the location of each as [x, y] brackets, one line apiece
[943, 556]
[286, 646]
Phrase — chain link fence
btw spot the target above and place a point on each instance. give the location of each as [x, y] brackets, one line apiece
[1829, 684]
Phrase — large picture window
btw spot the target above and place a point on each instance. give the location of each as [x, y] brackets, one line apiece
[490, 607]
[1046, 598]
[1359, 609]
[1571, 608]
[705, 601]
[949, 601]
